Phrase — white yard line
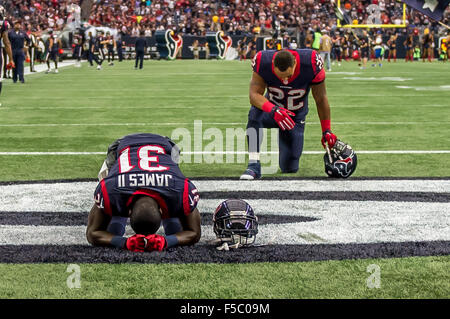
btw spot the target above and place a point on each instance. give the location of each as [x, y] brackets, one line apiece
[178, 124]
[57, 153]
[43, 67]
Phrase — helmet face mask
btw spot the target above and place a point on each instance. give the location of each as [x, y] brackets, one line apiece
[235, 221]
[340, 161]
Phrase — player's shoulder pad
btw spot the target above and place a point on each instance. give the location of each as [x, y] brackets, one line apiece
[317, 65]
[262, 60]
[191, 197]
[101, 197]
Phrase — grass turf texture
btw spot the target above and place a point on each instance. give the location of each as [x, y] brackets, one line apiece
[40, 115]
[417, 277]
[167, 93]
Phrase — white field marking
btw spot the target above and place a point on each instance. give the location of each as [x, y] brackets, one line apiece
[94, 107]
[392, 152]
[426, 88]
[49, 153]
[186, 107]
[342, 73]
[178, 124]
[78, 196]
[338, 222]
[184, 97]
[435, 186]
[394, 79]
[43, 67]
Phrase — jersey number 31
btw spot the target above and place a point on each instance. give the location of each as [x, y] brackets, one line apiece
[145, 160]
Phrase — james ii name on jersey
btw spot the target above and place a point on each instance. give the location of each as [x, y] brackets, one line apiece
[144, 180]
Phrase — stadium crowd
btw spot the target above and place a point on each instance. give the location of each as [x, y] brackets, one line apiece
[195, 17]
[304, 20]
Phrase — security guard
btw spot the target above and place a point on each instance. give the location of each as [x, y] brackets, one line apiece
[19, 40]
[140, 46]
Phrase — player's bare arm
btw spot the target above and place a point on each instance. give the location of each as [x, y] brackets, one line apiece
[256, 91]
[191, 229]
[96, 232]
[319, 93]
[7, 46]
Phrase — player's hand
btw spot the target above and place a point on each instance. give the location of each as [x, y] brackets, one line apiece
[136, 243]
[283, 117]
[10, 65]
[155, 243]
[329, 138]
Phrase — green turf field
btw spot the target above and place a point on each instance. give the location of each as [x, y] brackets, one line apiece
[399, 107]
[399, 278]
[83, 110]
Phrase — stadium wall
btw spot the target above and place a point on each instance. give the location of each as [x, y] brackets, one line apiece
[187, 52]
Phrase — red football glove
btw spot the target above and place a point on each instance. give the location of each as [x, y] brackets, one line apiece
[10, 65]
[329, 138]
[155, 242]
[136, 243]
[281, 115]
[283, 118]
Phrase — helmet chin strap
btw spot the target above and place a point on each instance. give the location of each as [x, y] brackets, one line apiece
[327, 148]
[227, 247]
[227, 243]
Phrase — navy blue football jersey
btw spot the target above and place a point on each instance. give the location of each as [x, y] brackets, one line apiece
[293, 93]
[54, 46]
[144, 166]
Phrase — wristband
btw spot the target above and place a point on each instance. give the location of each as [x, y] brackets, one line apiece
[171, 241]
[267, 106]
[326, 125]
[119, 242]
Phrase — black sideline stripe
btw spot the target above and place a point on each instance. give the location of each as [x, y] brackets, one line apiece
[80, 218]
[348, 196]
[209, 254]
[236, 178]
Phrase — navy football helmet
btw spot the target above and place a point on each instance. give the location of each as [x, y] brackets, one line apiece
[340, 161]
[235, 222]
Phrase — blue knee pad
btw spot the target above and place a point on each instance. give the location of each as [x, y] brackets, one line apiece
[172, 226]
[117, 225]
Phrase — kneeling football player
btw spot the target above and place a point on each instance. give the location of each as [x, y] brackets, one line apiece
[287, 77]
[142, 182]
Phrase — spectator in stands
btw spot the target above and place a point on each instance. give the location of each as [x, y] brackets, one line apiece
[196, 17]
